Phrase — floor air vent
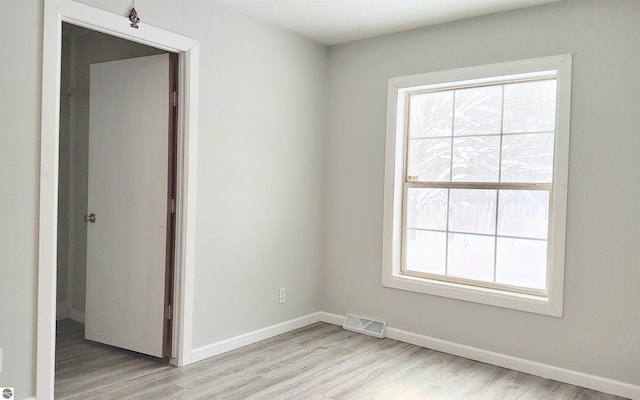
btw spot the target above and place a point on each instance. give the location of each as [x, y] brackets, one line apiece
[363, 325]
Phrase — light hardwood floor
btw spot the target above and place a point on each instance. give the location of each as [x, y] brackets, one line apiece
[83, 366]
[320, 361]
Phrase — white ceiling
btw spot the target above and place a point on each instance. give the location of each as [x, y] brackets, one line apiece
[339, 21]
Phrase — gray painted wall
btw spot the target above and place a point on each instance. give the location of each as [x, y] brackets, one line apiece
[20, 83]
[599, 333]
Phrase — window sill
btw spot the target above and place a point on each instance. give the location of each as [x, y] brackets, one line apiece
[493, 297]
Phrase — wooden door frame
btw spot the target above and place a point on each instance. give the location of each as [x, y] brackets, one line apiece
[170, 247]
[56, 12]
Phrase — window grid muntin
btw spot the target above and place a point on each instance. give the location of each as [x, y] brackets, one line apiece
[449, 185]
[495, 242]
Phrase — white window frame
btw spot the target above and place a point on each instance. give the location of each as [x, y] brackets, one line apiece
[392, 277]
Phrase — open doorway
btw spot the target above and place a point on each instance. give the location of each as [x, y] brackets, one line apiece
[75, 356]
[55, 13]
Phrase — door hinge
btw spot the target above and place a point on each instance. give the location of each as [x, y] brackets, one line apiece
[173, 206]
[169, 311]
[175, 99]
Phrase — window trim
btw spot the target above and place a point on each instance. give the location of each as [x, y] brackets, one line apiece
[392, 277]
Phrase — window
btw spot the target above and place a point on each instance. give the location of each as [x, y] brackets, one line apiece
[476, 182]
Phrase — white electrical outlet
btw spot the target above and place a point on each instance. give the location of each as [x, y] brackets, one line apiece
[283, 295]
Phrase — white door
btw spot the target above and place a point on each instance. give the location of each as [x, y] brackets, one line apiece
[128, 162]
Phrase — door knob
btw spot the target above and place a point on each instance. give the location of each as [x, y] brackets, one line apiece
[90, 218]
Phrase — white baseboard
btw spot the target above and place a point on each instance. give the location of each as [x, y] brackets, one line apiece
[594, 382]
[334, 319]
[76, 315]
[502, 360]
[236, 342]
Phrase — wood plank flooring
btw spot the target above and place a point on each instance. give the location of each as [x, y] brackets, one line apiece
[83, 366]
[318, 362]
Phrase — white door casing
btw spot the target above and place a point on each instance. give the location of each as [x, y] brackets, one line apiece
[56, 12]
[128, 167]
